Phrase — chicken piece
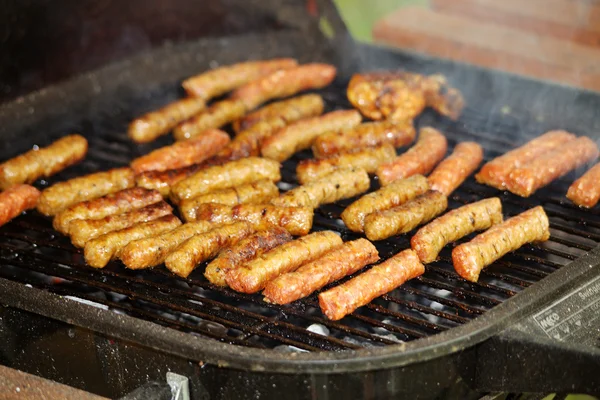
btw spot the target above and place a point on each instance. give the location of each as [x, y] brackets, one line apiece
[456, 168]
[215, 116]
[15, 200]
[585, 191]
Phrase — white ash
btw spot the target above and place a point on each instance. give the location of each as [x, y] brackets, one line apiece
[318, 329]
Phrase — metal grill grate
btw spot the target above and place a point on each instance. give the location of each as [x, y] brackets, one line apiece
[31, 252]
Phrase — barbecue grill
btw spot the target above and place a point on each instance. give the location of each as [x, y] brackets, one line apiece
[531, 323]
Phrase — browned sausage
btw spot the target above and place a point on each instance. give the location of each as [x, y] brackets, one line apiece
[383, 278]
[496, 172]
[116, 203]
[549, 166]
[453, 171]
[285, 83]
[369, 134]
[367, 159]
[296, 220]
[340, 261]
[43, 162]
[342, 183]
[419, 159]
[157, 123]
[15, 200]
[204, 246]
[83, 230]
[221, 80]
[62, 195]
[301, 134]
[182, 154]
[392, 195]
[232, 174]
[458, 223]
[150, 252]
[406, 217]
[585, 191]
[162, 181]
[254, 275]
[215, 116]
[244, 251]
[99, 251]
[256, 192]
[470, 258]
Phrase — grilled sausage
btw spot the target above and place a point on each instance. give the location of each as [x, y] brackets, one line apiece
[182, 154]
[406, 217]
[301, 134]
[455, 224]
[15, 200]
[368, 134]
[453, 171]
[255, 274]
[340, 261]
[215, 116]
[83, 230]
[116, 203]
[162, 181]
[244, 251]
[341, 300]
[308, 105]
[62, 195]
[99, 251]
[152, 251]
[157, 123]
[204, 246]
[285, 83]
[392, 195]
[367, 159]
[256, 192]
[496, 172]
[549, 166]
[223, 79]
[342, 183]
[470, 258]
[585, 191]
[296, 220]
[228, 175]
[419, 159]
[43, 162]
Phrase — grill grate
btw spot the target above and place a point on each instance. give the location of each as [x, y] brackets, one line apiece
[31, 252]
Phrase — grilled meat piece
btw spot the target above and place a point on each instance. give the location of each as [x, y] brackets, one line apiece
[232, 174]
[392, 195]
[340, 261]
[406, 217]
[585, 191]
[162, 181]
[255, 274]
[368, 134]
[549, 166]
[62, 195]
[215, 116]
[84, 230]
[150, 252]
[204, 246]
[15, 200]
[496, 172]
[99, 251]
[243, 251]
[470, 258]
[301, 134]
[341, 300]
[43, 162]
[419, 159]
[457, 167]
[368, 159]
[455, 224]
[157, 123]
[285, 83]
[342, 183]
[182, 154]
[296, 220]
[221, 80]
